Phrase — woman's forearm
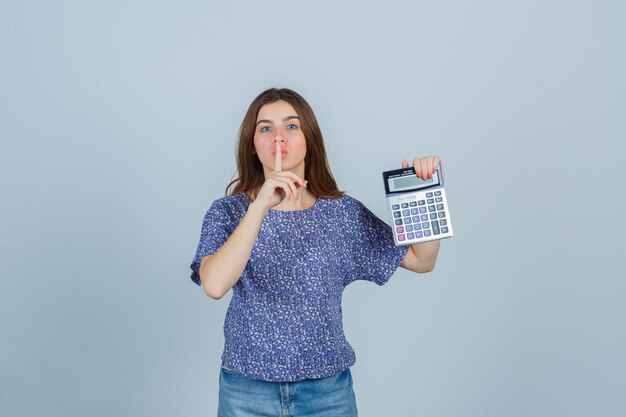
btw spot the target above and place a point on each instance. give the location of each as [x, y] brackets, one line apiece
[427, 253]
[220, 271]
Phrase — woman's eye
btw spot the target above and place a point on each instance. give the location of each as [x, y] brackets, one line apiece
[265, 129]
[292, 126]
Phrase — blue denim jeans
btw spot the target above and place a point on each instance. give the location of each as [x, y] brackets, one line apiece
[242, 396]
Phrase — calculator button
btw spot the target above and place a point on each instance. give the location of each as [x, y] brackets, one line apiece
[435, 228]
[425, 225]
[433, 216]
[407, 220]
[414, 211]
[443, 222]
[397, 214]
[422, 210]
[427, 233]
[431, 201]
[417, 226]
[413, 204]
[431, 208]
[442, 214]
[444, 230]
[421, 202]
[401, 238]
[429, 194]
[395, 207]
[410, 235]
[408, 227]
[400, 229]
[398, 222]
[419, 234]
[416, 219]
[405, 205]
[437, 192]
[424, 217]
[439, 206]
[406, 212]
[438, 199]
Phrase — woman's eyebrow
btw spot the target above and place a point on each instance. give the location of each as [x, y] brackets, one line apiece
[270, 121]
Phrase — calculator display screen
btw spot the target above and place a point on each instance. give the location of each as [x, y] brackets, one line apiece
[410, 181]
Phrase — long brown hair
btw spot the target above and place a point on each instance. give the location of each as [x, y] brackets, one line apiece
[316, 168]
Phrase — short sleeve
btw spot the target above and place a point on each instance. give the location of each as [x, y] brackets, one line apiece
[215, 231]
[376, 256]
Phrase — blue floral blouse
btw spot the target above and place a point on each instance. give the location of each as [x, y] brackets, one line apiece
[284, 321]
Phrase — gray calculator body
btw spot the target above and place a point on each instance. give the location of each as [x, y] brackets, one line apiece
[418, 208]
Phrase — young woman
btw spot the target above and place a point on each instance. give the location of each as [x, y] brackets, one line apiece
[287, 242]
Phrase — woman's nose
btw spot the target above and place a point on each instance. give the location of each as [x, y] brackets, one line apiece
[279, 137]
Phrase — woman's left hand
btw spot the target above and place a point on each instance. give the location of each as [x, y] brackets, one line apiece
[424, 167]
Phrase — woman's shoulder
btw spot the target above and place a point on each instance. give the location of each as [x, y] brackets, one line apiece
[353, 207]
[346, 200]
[238, 198]
[231, 204]
[346, 204]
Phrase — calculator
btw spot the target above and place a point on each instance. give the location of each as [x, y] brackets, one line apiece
[418, 208]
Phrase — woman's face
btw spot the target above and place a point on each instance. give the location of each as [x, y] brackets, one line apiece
[279, 122]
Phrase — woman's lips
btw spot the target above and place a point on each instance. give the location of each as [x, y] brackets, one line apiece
[283, 153]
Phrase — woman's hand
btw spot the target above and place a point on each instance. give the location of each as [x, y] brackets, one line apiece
[279, 184]
[424, 167]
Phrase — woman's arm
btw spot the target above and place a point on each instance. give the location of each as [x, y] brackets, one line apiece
[220, 271]
[421, 257]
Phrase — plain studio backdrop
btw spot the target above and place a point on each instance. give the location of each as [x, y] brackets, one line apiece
[118, 123]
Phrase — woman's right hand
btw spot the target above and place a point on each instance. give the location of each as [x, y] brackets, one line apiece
[279, 185]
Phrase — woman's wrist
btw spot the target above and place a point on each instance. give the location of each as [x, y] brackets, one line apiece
[257, 208]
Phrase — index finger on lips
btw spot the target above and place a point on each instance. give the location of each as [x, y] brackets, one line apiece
[278, 164]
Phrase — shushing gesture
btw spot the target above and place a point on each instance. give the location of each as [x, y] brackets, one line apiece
[279, 184]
